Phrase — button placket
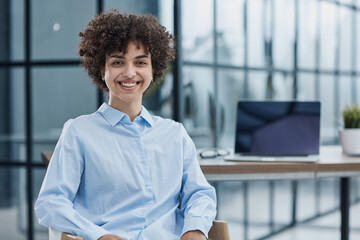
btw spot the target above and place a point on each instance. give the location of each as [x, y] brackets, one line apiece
[144, 168]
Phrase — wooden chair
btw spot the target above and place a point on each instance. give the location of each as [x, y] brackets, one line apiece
[219, 231]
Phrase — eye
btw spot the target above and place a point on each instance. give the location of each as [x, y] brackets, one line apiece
[141, 63]
[117, 63]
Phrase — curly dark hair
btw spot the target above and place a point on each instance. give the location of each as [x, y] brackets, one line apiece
[112, 31]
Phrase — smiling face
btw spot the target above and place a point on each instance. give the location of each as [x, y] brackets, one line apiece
[127, 76]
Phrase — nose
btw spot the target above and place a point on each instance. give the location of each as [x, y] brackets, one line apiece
[129, 71]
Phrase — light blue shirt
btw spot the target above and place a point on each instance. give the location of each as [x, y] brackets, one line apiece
[138, 180]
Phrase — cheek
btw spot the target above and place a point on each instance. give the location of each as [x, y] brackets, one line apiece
[110, 75]
[106, 74]
[148, 74]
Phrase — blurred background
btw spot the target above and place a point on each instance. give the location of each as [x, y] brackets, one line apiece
[227, 50]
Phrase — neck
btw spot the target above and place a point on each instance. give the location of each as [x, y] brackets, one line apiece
[132, 109]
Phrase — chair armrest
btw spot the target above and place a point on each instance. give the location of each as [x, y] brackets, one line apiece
[68, 236]
[57, 235]
[219, 231]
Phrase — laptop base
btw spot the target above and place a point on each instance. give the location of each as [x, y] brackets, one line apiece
[252, 158]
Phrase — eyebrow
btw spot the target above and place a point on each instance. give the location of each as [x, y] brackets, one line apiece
[122, 57]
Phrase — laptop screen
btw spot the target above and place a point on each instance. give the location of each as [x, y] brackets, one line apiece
[277, 128]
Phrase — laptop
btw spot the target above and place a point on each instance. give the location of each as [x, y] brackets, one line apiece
[285, 131]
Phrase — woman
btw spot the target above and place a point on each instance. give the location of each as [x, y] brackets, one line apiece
[121, 173]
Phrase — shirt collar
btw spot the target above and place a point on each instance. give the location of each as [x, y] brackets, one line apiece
[113, 116]
[146, 116]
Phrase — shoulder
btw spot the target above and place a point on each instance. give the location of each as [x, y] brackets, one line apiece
[165, 123]
[169, 127]
[80, 123]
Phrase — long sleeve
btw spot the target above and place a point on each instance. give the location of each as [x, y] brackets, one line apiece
[111, 175]
[54, 206]
[198, 198]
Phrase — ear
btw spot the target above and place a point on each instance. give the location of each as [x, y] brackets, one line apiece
[102, 73]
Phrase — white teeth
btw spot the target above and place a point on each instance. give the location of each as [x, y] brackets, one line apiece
[125, 84]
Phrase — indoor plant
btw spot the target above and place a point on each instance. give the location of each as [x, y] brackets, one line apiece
[350, 135]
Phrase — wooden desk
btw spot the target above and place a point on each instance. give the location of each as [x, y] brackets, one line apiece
[332, 163]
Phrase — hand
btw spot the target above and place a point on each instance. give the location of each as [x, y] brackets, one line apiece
[110, 237]
[193, 235]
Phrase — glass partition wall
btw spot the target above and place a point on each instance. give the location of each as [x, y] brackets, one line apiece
[267, 50]
[227, 50]
[42, 86]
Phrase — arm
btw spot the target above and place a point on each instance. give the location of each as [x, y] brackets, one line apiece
[54, 206]
[197, 197]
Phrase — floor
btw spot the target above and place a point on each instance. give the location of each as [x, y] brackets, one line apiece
[326, 227]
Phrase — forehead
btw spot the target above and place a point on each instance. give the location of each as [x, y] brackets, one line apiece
[133, 47]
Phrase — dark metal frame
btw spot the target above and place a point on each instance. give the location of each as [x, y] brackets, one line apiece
[177, 91]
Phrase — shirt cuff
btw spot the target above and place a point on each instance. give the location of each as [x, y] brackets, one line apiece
[94, 232]
[196, 223]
